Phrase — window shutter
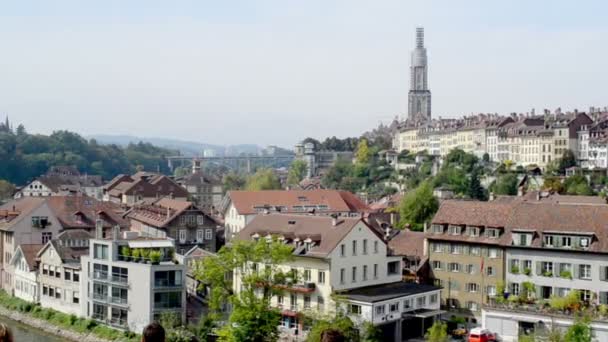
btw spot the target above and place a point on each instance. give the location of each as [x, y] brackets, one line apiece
[539, 268]
[603, 272]
[556, 270]
[575, 271]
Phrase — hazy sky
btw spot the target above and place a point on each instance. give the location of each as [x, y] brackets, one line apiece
[273, 72]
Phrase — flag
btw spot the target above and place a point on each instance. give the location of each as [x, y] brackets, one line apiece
[481, 271]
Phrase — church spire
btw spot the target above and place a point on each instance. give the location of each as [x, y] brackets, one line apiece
[419, 98]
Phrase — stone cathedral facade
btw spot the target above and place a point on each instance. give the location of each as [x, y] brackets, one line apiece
[419, 97]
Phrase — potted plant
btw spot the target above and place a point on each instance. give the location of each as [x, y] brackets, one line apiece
[515, 269]
[527, 271]
[136, 254]
[155, 257]
[566, 274]
[145, 255]
[125, 253]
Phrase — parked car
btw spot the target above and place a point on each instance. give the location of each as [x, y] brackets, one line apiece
[481, 335]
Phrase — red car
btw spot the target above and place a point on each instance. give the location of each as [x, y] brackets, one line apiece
[481, 335]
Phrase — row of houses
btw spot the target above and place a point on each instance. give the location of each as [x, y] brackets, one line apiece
[535, 246]
[523, 139]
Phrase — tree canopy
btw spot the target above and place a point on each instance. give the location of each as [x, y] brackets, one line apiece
[297, 172]
[418, 206]
[505, 184]
[26, 156]
[263, 179]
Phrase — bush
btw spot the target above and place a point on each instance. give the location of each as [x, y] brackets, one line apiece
[155, 257]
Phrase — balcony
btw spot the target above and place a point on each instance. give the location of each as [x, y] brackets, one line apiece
[113, 279]
[105, 299]
[119, 322]
[163, 284]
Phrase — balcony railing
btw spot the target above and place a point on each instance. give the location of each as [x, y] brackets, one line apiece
[118, 322]
[166, 284]
[115, 279]
[104, 298]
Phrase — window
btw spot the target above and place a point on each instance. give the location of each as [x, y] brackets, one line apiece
[354, 309]
[380, 309]
[490, 271]
[208, 234]
[394, 307]
[280, 300]
[491, 290]
[364, 246]
[407, 304]
[566, 241]
[584, 242]
[342, 250]
[51, 271]
[473, 306]
[58, 293]
[393, 268]
[364, 272]
[45, 290]
[470, 268]
[475, 251]
[354, 274]
[437, 247]
[100, 251]
[321, 277]
[307, 275]
[168, 278]
[584, 272]
[454, 230]
[342, 275]
[375, 271]
[472, 287]
[183, 235]
[354, 247]
[167, 300]
[57, 272]
[46, 237]
[492, 233]
[474, 231]
[548, 240]
[199, 235]
[527, 266]
[456, 249]
[436, 265]
[547, 268]
[515, 289]
[200, 220]
[375, 247]
[433, 299]
[306, 302]
[454, 267]
[493, 253]
[76, 277]
[45, 269]
[437, 229]
[67, 275]
[320, 303]
[420, 302]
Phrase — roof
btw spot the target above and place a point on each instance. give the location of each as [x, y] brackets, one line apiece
[146, 184]
[30, 252]
[386, 202]
[319, 229]
[13, 211]
[408, 243]
[74, 234]
[68, 254]
[197, 252]
[293, 201]
[83, 211]
[162, 212]
[379, 293]
[198, 178]
[473, 213]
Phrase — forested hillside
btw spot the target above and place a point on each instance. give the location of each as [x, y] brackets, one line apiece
[25, 156]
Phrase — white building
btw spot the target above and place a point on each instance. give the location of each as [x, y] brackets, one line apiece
[241, 207]
[25, 275]
[345, 257]
[59, 271]
[128, 293]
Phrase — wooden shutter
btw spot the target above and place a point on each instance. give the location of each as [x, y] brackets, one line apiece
[539, 268]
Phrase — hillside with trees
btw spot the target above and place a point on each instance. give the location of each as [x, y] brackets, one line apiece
[25, 156]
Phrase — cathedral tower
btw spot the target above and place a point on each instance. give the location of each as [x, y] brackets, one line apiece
[419, 97]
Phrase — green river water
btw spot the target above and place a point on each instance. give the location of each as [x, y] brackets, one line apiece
[25, 333]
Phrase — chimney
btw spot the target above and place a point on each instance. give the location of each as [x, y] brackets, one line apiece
[99, 229]
[334, 220]
[168, 213]
[115, 232]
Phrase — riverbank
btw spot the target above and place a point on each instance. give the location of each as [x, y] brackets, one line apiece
[67, 327]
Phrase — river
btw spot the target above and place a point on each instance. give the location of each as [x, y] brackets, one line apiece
[25, 333]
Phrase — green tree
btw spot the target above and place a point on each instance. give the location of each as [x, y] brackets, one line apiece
[363, 153]
[340, 324]
[297, 172]
[475, 189]
[233, 181]
[258, 265]
[580, 331]
[6, 190]
[263, 179]
[438, 332]
[553, 183]
[336, 174]
[370, 333]
[181, 172]
[485, 158]
[577, 185]
[505, 184]
[418, 206]
[508, 164]
[567, 160]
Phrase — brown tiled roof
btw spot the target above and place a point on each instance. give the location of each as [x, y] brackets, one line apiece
[88, 209]
[199, 178]
[386, 202]
[69, 254]
[162, 212]
[408, 243]
[336, 201]
[117, 180]
[12, 212]
[317, 228]
[30, 252]
[473, 213]
[146, 184]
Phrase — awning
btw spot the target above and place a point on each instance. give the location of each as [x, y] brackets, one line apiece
[423, 314]
[151, 244]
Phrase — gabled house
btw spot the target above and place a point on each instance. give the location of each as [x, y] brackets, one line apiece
[37, 220]
[342, 258]
[60, 269]
[239, 208]
[180, 220]
[205, 190]
[25, 276]
[142, 186]
[63, 180]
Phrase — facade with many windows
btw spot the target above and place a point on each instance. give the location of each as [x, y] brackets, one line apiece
[130, 293]
[25, 276]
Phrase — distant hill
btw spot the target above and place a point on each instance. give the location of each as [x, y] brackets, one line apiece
[188, 148]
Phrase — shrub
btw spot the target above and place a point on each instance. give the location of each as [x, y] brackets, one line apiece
[155, 257]
[125, 251]
[515, 269]
[136, 254]
[565, 274]
[527, 271]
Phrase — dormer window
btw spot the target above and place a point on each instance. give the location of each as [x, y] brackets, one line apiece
[492, 233]
[474, 231]
[548, 241]
[437, 229]
[584, 242]
[566, 242]
[454, 230]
